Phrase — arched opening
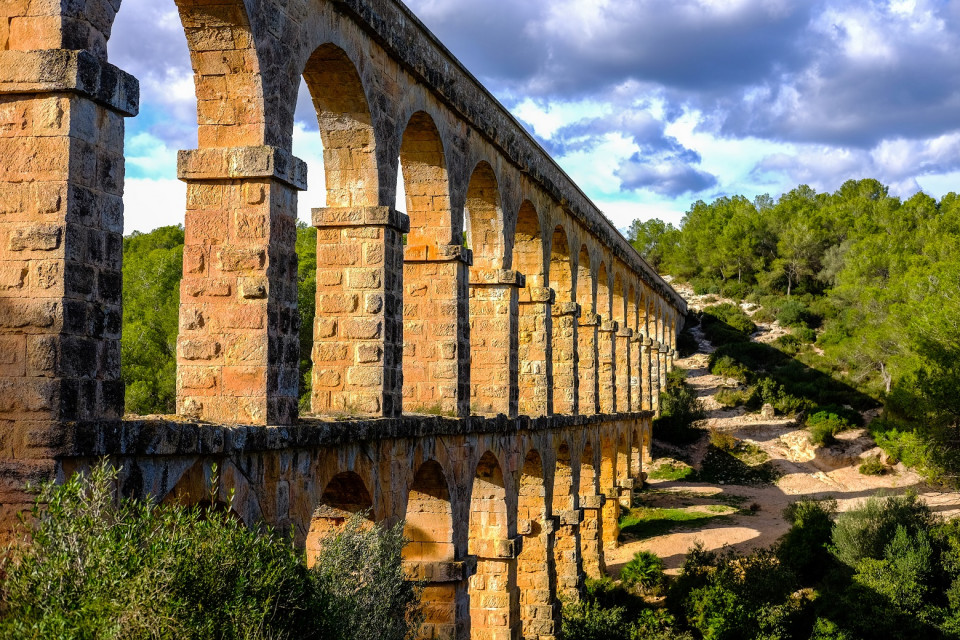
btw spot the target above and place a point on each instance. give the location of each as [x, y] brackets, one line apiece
[620, 344]
[566, 548]
[494, 600]
[345, 495]
[591, 529]
[608, 485]
[428, 527]
[536, 578]
[636, 453]
[534, 315]
[605, 343]
[587, 331]
[435, 321]
[335, 360]
[564, 330]
[492, 369]
[623, 471]
[633, 350]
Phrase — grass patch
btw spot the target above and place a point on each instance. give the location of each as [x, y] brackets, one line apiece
[647, 522]
[724, 467]
[670, 470]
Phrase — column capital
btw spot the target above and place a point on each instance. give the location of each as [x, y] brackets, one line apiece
[543, 295]
[588, 319]
[361, 217]
[592, 502]
[566, 309]
[610, 326]
[234, 163]
[507, 549]
[69, 71]
[626, 332]
[437, 572]
[664, 350]
[481, 277]
[437, 253]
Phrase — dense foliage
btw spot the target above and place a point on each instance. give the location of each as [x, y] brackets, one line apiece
[99, 568]
[152, 269]
[888, 569]
[872, 280]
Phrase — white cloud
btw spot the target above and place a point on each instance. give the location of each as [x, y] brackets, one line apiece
[149, 204]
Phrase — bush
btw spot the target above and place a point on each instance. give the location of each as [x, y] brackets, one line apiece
[727, 367]
[805, 335]
[644, 573]
[100, 567]
[872, 466]
[793, 313]
[788, 343]
[705, 286]
[804, 549]
[733, 397]
[679, 410]
[824, 426]
[723, 441]
[762, 315]
[736, 290]
[687, 345]
[866, 531]
[731, 315]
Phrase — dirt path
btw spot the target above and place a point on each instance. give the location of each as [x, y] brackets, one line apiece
[756, 520]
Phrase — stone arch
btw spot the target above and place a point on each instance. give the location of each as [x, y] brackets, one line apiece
[483, 218]
[346, 128]
[344, 495]
[564, 330]
[536, 579]
[435, 315]
[567, 535]
[591, 501]
[605, 343]
[623, 458]
[227, 491]
[426, 185]
[429, 528]
[586, 294]
[636, 452]
[604, 307]
[534, 315]
[493, 365]
[608, 485]
[587, 332]
[494, 599]
[619, 302]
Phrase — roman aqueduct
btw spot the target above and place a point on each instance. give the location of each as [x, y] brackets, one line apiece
[486, 364]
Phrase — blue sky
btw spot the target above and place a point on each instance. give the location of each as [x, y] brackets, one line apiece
[649, 105]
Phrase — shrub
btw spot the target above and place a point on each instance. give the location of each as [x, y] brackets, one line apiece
[805, 335]
[644, 572]
[705, 286]
[587, 620]
[733, 397]
[866, 531]
[824, 426]
[793, 313]
[731, 315]
[805, 547]
[788, 343]
[687, 344]
[762, 315]
[736, 290]
[872, 466]
[727, 367]
[722, 440]
[679, 410]
[100, 567]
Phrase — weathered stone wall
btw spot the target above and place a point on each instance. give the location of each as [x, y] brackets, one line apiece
[501, 297]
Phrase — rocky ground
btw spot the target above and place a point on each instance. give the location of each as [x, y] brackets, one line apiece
[747, 517]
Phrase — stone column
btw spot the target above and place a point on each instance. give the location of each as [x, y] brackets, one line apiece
[358, 331]
[608, 370]
[539, 609]
[567, 548]
[494, 317]
[663, 366]
[61, 248]
[587, 365]
[494, 597]
[623, 369]
[444, 586]
[656, 383]
[610, 514]
[565, 357]
[239, 345]
[591, 532]
[646, 364]
[535, 357]
[636, 382]
[436, 329]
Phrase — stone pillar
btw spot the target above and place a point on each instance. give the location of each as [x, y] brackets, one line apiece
[610, 515]
[358, 330]
[567, 558]
[646, 357]
[444, 587]
[591, 532]
[239, 345]
[656, 383]
[608, 370]
[436, 330]
[636, 382]
[663, 366]
[535, 358]
[494, 597]
[587, 365]
[539, 609]
[61, 248]
[494, 317]
[565, 357]
[623, 369]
